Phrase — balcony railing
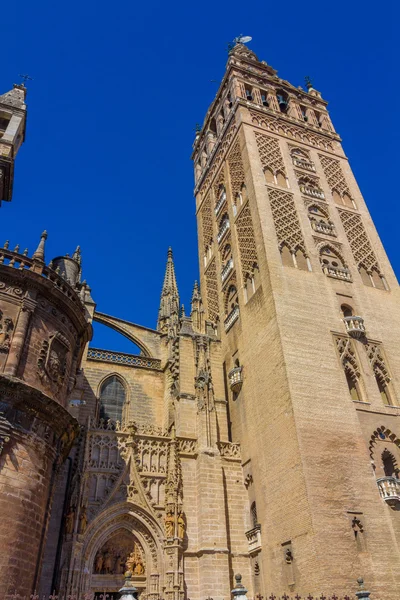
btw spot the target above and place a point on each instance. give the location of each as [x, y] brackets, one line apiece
[313, 192]
[389, 489]
[231, 318]
[226, 270]
[304, 164]
[355, 326]
[223, 229]
[325, 228]
[337, 272]
[254, 538]
[122, 358]
[220, 203]
[235, 379]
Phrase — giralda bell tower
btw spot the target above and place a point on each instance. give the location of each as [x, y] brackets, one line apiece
[306, 305]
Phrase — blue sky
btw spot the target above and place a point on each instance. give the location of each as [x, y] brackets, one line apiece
[118, 88]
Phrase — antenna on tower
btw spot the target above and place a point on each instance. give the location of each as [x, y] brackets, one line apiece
[240, 39]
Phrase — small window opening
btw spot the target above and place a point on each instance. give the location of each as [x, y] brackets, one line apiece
[283, 102]
[347, 311]
[253, 514]
[353, 386]
[304, 113]
[264, 99]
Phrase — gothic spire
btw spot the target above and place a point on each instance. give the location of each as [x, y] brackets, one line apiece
[168, 314]
[170, 285]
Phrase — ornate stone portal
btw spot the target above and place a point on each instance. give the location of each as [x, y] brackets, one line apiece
[121, 552]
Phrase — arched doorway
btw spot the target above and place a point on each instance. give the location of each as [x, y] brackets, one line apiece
[120, 552]
[123, 533]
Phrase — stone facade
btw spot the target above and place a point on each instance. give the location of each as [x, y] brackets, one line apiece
[304, 299]
[256, 434]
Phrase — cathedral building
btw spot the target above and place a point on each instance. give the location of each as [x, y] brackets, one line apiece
[256, 434]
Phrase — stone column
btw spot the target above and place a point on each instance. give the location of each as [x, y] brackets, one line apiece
[27, 308]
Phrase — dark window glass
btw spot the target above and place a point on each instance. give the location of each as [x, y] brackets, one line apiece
[112, 398]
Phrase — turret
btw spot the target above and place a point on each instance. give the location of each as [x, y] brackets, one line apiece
[12, 134]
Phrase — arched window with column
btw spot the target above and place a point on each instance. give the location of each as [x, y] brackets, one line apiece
[112, 399]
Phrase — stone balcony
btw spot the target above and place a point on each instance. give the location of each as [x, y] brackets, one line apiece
[235, 379]
[220, 203]
[324, 228]
[254, 539]
[313, 192]
[223, 229]
[228, 268]
[355, 326]
[389, 489]
[231, 318]
[304, 164]
[337, 273]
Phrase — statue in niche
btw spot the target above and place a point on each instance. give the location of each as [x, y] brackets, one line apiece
[82, 520]
[118, 566]
[6, 326]
[107, 567]
[70, 520]
[139, 568]
[169, 524]
[181, 526]
[99, 563]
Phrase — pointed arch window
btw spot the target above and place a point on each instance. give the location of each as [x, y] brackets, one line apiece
[333, 264]
[253, 514]
[112, 399]
[320, 221]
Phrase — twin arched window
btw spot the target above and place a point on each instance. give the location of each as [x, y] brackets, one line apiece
[112, 399]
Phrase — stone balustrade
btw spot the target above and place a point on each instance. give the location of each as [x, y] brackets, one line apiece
[220, 203]
[325, 228]
[355, 326]
[304, 164]
[232, 318]
[223, 229]
[389, 489]
[337, 272]
[235, 379]
[122, 358]
[254, 539]
[21, 262]
[313, 192]
[228, 268]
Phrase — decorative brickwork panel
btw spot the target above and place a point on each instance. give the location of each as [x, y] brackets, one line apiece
[206, 222]
[286, 221]
[218, 158]
[347, 356]
[334, 174]
[212, 292]
[377, 360]
[236, 170]
[218, 181]
[276, 125]
[359, 242]
[270, 153]
[246, 241]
